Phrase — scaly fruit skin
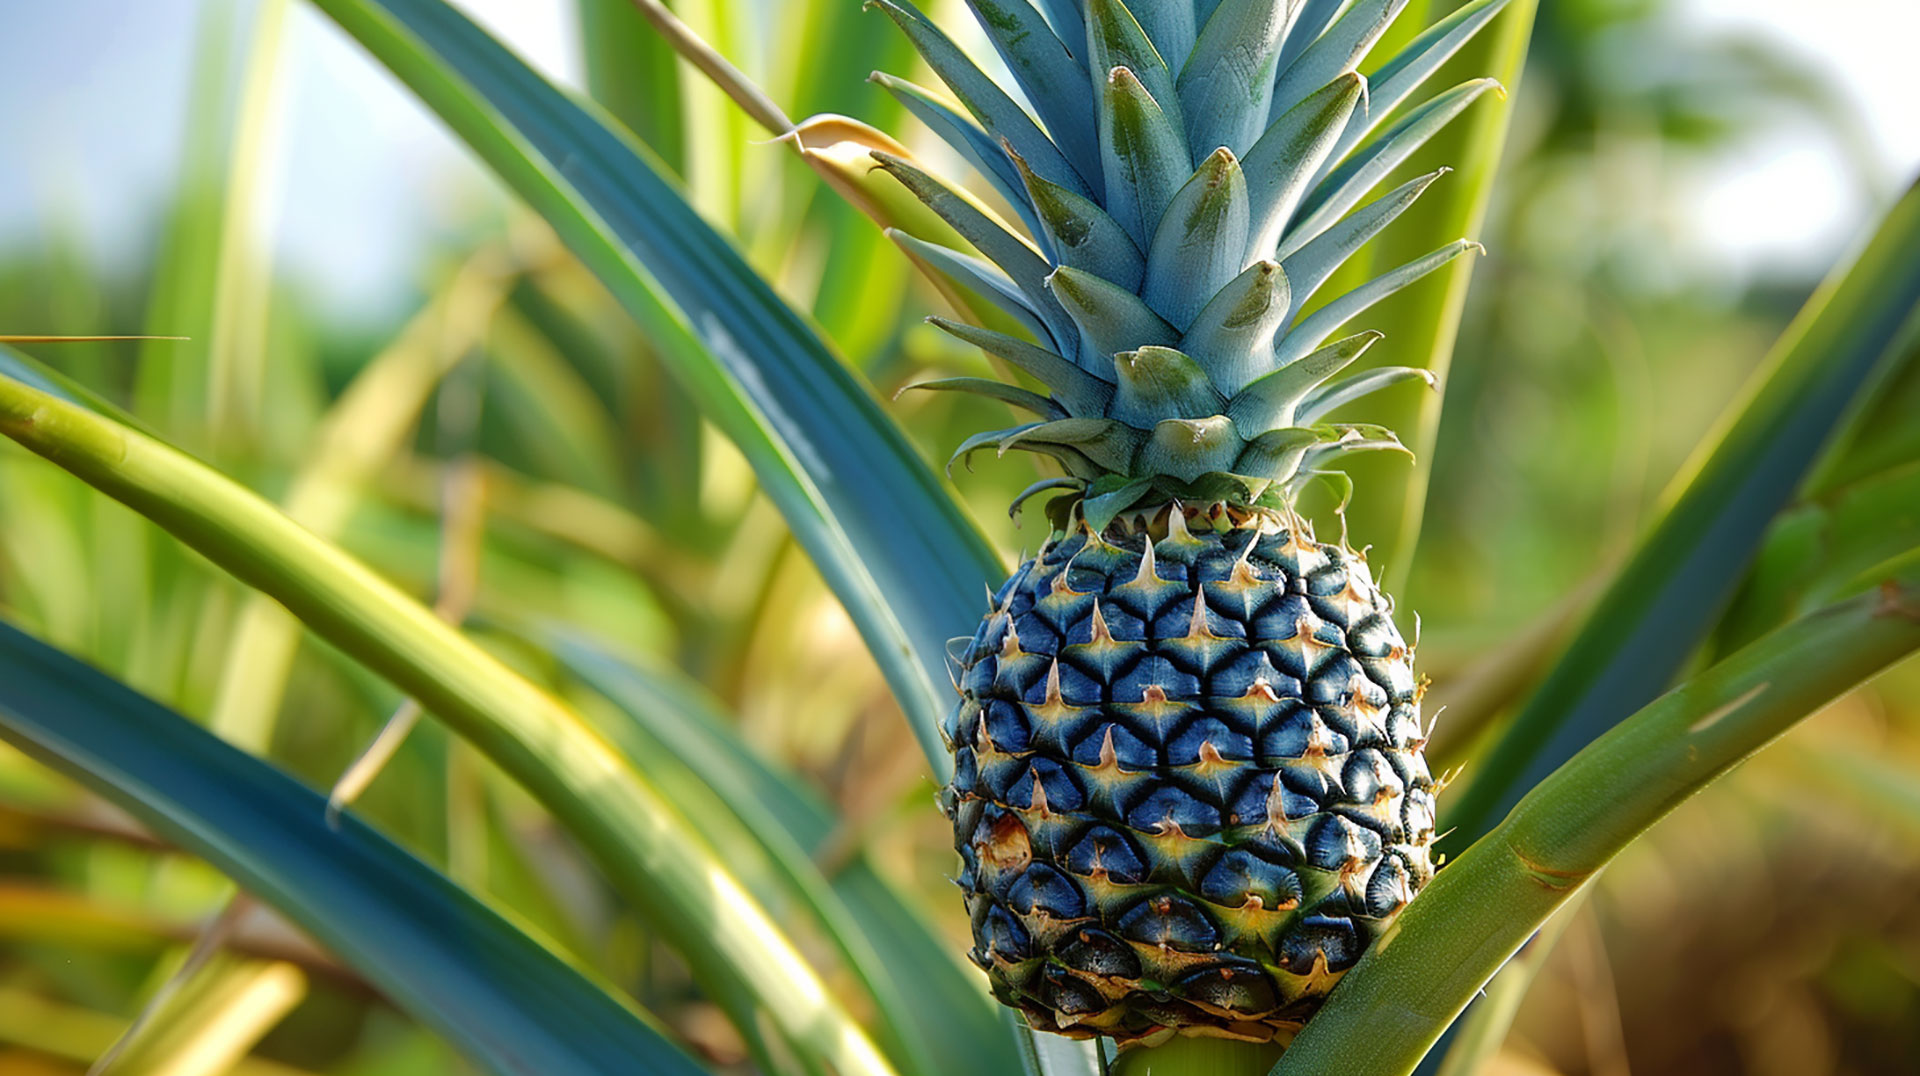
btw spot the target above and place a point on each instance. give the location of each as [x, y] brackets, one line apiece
[1188, 784]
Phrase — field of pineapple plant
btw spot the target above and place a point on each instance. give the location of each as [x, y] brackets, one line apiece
[1429, 623]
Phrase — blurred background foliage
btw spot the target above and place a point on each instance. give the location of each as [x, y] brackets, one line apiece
[511, 447]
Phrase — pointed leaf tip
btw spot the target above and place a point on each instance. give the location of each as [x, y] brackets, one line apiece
[1201, 242]
[1159, 382]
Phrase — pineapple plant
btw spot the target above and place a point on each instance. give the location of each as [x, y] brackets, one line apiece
[1188, 783]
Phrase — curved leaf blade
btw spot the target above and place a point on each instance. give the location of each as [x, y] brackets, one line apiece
[448, 960]
[1480, 909]
[896, 547]
[1422, 323]
[1663, 602]
[927, 996]
[651, 853]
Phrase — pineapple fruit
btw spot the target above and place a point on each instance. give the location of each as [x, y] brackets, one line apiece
[1188, 786]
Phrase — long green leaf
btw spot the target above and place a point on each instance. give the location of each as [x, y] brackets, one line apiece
[654, 855]
[1482, 1028]
[632, 74]
[1667, 596]
[430, 947]
[31, 371]
[1478, 911]
[1422, 323]
[911, 972]
[895, 546]
[1821, 544]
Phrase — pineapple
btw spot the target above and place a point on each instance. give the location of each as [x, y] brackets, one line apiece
[1188, 786]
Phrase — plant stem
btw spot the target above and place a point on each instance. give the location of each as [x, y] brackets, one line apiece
[1187, 1056]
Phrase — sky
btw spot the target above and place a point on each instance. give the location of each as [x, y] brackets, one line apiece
[92, 95]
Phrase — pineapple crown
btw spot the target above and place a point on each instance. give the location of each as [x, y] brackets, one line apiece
[1186, 182]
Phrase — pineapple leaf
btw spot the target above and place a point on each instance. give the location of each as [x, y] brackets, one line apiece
[1425, 321]
[1272, 401]
[989, 104]
[1106, 442]
[1142, 153]
[981, 277]
[1321, 324]
[1226, 85]
[1101, 508]
[1353, 440]
[1311, 21]
[1234, 332]
[1068, 19]
[1080, 391]
[1396, 80]
[966, 137]
[426, 944]
[1115, 38]
[1346, 185]
[650, 852]
[1158, 382]
[1278, 452]
[1328, 398]
[1201, 242]
[995, 390]
[983, 440]
[1189, 448]
[894, 545]
[1814, 548]
[942, 1025]
[1170, 26]
[1012, 254]
[1281, 165]
[1311, 265]
[1335, 52]
[1055, 83]
[1042, 1054]
[30, 371]
[1111, 318]
[1045, 485]
[1081, 233]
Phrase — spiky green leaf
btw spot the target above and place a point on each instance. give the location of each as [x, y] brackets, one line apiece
[985, 99]
[1226, 84]
[1336, 52]
[1271, 402]
[1232, 337]
[1082, 234]
[965, 136]
[1157, 383]
[1142, 153]
[1079, 390]
[1311, 265]
[1201, 243]
[1321, 401]
[1013, 395]
[1189, 448]
[1346, 185]
[1317, 326]
[1280, 167]
[1054, 82]
[1111, 318]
